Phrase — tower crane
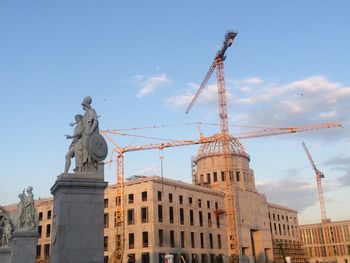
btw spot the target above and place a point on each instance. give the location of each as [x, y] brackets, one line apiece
[319, 176]
[218, 64]
[117, 256]
[327, 231]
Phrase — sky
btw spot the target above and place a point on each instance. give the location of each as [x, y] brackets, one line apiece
[142, 62]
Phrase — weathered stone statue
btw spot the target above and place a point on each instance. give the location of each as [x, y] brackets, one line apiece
[6, 232]
[27, 214]
[88, 146]
[76, 147]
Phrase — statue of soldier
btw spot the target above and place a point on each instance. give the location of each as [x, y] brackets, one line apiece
[76, 147]
[94, 145]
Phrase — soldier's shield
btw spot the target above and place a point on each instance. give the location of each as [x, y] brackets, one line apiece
[97, 147]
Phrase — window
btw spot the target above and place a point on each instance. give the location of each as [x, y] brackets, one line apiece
[170, 198]
[105, 243]
[192, 240]
[218, 222]
[200, 218]
[145, 239]
[182, 219]
[48, 230]
[182, 239]
[118, 201]
[47, 250]
[215, 176]
[172, 238]
[106, 220]
[160, 237]
[208, 178]
[131, 240]
[190, 200]
[181, 199]
[171, 215]
[105, 203]
[144, 196]
[219, 242]
[131, 257]
[204, 258]
[144, 215]
[237, 176]
[40, 229]
[202, 240]
[161, 257]
[145, 257]
[191, 218]
[49, 214]
[211, 241]
[159, 196]
[160, 213]
[209, 220]
[199, 203]
[223, 176]
[38, 251]
[130, 217]
[208, 204]
[40, 216]
[130, 198]
[216, 205]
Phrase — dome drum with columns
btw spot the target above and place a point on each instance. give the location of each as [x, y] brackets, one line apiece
[211, 166]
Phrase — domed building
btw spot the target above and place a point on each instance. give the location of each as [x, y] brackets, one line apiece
[224, 166]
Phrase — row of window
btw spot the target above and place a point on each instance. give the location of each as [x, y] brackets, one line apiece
[41, 215]
[282, 218]
[46, 251]
[48, 230]
[290, 231]
[181, 258]
[130, 216]
[167, 238]
[131, 200]
[234, 177]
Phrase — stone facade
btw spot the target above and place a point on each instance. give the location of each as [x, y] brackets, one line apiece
[338, 248]
[285, 234]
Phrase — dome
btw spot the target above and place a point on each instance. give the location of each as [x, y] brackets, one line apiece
[215, 148]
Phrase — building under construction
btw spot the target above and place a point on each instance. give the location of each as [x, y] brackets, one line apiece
[190, 221]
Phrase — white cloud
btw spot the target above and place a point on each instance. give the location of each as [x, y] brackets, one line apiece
[151, 84]
[209, 95]
[290, 191]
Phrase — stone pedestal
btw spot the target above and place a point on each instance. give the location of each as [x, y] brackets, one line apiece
[5, 254]
[78, 210]
[24, 244]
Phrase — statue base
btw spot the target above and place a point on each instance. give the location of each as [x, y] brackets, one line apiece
[5, 254]
[24, 244]
[78, 209]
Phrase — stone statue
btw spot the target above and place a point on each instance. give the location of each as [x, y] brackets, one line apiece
[27, 214]
[88, 146]
[76, 147]
[6, 232]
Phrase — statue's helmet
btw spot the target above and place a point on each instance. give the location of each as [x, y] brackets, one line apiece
[29, 189]
[78, 116]
[86, 101]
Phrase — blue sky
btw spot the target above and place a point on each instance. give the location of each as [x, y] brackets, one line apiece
[141, 61]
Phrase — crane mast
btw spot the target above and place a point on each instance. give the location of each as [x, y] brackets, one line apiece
[319, 176]
[326, 230]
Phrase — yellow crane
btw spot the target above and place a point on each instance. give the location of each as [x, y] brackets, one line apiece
[326, 230]
[118, 253]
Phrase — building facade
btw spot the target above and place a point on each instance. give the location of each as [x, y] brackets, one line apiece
[318, 249]
[285, 234]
